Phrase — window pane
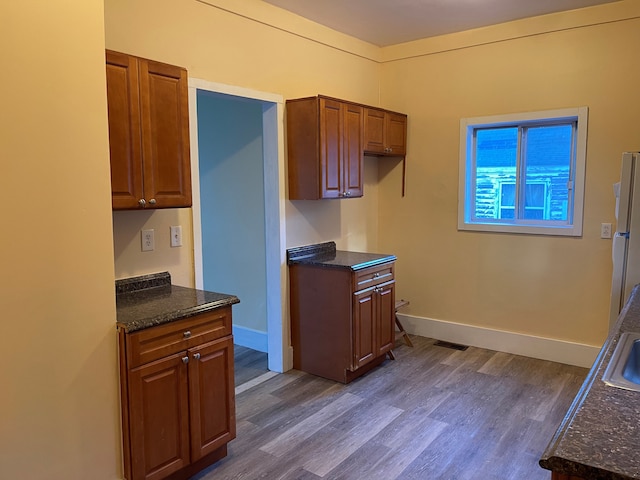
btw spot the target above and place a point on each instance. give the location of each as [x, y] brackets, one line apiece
[507, 213]
[508, 197]
[533, 214]
[548, 166]
[496, 154]
[534, 195]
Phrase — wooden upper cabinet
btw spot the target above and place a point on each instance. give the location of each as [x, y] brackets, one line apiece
[148, 133]
[385, 132]
[352, 164]
[326, 142]
[125, 142]
[325, 148]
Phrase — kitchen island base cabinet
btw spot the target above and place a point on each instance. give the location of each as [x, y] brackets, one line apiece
[179, 405]
[342, 322]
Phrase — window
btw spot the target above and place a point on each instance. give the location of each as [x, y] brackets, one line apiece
[523, 173]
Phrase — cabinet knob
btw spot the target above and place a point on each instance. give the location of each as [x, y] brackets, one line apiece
[185, 359]
[152, 201]
[142, 202]
[196, 356]
[186, 334]
[347, 194]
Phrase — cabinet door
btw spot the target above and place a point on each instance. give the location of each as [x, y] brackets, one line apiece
[396, 134]
[330, 148]
[212, 396]
[364, 342]
[352, 150]
[159, 417]
[385, 328]
[124, 130]
[374, 125]
[165, 134]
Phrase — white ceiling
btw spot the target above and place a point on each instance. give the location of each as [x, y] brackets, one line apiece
[388, 22]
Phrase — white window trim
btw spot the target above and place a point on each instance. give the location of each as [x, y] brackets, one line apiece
[535, 228]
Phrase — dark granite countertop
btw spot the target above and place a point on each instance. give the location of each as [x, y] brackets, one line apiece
[600, 435]
[151, 300]
[326, 255]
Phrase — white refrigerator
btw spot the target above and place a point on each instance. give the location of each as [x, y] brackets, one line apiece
[626, 239]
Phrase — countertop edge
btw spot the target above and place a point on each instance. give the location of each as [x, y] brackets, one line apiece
[384, 258]
[554, 463]
[550, 459]
[176, 315]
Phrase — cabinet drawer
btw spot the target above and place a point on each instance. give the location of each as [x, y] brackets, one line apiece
[372, 276]
[156, 342]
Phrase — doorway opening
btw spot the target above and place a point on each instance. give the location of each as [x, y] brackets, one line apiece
[237, 178]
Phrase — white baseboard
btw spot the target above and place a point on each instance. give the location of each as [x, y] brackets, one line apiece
[517, 343]
[250, 338]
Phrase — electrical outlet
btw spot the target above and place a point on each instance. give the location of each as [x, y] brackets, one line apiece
[605, 230]
[176, 236]
[148, 242]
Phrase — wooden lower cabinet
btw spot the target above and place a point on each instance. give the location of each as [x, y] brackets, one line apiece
[342, 322]
[373, 334]
[178, 410]
[212, 407]
[159, 413]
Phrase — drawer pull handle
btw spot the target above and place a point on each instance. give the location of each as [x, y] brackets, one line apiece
[196, 356]
[186, 334]
[376, 275]
[185, 359]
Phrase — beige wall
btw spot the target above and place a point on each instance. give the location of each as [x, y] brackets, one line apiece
[544, 286]
[131, 261]
[59, 401]
[223, 47]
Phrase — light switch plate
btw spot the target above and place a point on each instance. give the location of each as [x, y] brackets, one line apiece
[176, 236]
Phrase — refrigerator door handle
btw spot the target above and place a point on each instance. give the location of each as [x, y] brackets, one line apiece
[619, 254]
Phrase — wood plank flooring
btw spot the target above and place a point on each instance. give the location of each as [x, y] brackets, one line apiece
[433, 413]
[248, 364]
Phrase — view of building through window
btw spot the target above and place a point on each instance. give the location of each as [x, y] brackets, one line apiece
[523, 172]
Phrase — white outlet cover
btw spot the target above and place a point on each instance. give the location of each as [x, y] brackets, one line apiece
[148, 240]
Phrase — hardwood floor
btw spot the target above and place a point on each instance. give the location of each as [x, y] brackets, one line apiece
[248, 364]
[433, 413]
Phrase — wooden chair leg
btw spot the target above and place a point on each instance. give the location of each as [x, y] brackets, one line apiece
[403, 332]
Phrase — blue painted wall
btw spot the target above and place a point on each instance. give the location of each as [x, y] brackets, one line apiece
[231, 171]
